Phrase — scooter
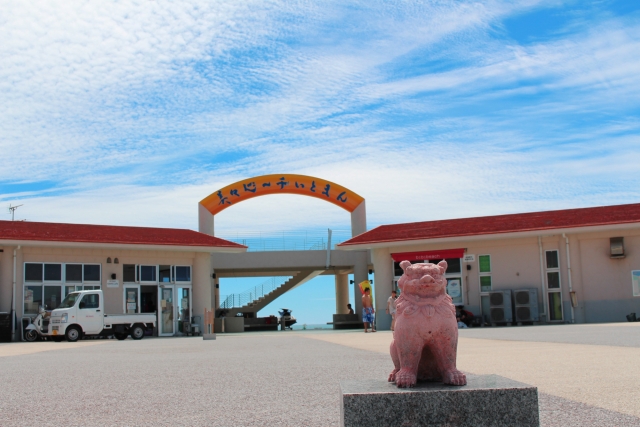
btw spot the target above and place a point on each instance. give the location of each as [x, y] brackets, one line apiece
[38, 325]
[289, 320]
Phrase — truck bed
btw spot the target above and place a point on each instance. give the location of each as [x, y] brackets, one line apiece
[128, 319]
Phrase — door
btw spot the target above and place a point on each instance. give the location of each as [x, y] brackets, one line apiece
[90, 315]
[166, 307]
[131, 299]
[183, 306]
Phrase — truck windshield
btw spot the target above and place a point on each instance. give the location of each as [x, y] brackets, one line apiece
[70, 300]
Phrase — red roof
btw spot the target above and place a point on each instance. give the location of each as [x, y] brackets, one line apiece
[86, 233]
[548, 220]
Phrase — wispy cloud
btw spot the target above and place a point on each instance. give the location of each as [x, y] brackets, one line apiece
[136, 111]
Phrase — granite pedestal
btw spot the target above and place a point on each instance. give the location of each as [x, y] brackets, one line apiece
[486, 400]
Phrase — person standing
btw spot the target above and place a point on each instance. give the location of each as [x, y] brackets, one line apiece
[368, 311]
[391, 309]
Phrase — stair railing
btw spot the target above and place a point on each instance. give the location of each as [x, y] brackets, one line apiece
[253, 294]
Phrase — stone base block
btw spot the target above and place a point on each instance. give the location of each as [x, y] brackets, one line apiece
[208, 336]
[486, 400]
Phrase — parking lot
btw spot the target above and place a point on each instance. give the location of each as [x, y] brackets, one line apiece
[586, 375]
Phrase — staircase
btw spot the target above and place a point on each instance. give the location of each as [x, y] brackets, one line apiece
[255, 299]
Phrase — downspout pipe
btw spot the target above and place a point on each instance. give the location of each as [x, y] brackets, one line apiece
[566, 241]
[542, 287]
[13, 295]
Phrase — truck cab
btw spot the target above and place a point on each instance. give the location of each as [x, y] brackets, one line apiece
[82, 314]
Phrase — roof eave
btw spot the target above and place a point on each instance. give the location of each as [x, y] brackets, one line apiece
[128, 246]
[489, 236]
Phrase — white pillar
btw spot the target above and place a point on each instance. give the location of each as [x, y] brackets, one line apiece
[360, 274]
[359, 220]
[383, 285]
[205, 220]
[342, 293]
[202, 283]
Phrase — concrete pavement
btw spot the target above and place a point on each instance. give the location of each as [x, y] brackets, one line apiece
[291, 378]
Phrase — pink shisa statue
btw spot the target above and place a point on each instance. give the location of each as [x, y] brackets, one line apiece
[425, 340]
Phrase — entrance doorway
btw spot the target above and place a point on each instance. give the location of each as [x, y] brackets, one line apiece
[174, 302]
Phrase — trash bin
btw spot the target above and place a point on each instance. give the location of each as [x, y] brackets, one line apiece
[631, 317]
[5, 327]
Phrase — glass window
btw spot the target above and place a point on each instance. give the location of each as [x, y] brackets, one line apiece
[91, 273]
[555, 306]
[165, 273]
[69, 289]
[183, 274]
[73, 273]
[129, 273]
[553, 280]
[69, 300]
[32, 299]
[485, 283]
[53, 272]
[91, 301]
[454, 289]
[147, 273]
[32, 272]
[552, 259]
[484, 263]
[91, 288]
[453, 264]
[52, 297]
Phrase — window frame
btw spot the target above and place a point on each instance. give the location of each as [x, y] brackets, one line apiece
[549, 290]
[485, 274]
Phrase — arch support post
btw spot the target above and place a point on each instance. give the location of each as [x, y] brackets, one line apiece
[359, 220]
[205, 220]
[342, 293]
[383, 284]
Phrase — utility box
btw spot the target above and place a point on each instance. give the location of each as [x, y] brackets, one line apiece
[500, 307]
[525, 305]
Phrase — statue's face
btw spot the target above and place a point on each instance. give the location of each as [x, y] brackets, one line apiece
[424, 279]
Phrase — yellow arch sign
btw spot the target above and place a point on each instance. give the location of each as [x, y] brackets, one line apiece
[281, 184]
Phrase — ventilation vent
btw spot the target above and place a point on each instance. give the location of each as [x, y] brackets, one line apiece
[522, 298]
[496, 298]
[523, 314]
[497, 315]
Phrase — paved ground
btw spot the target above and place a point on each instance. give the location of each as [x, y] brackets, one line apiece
[291, 378]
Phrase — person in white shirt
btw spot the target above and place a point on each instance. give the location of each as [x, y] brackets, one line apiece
[391, 309]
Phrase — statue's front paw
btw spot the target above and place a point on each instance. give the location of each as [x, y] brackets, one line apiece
[405, 378]
[392, 375]
[454, 377]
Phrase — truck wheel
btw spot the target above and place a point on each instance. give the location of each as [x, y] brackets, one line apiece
[72, 334]
[120, 336]
[137, 332]
[31, 335]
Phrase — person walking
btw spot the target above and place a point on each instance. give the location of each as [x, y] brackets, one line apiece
[391, 308]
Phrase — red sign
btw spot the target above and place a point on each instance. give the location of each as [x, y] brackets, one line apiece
[428, 255]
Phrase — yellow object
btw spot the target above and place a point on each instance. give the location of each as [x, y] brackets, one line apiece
[281, 184]
[364, 286]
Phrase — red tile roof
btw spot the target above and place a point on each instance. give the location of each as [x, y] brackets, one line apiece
[85, 233]
[548, 220]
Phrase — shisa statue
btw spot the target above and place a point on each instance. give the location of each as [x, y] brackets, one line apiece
[425, 340]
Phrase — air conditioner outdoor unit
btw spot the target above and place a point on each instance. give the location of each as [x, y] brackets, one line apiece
[525, 303]
[500, 306]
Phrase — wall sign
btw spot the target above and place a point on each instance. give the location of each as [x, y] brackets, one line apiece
[635, 282]
[469, 258]
[113, 283]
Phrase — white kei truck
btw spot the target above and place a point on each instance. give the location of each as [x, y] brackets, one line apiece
[82, 314]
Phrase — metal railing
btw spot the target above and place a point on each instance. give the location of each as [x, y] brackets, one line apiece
[288, 240]
[253, 294]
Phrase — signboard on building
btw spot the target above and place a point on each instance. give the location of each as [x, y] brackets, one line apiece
[469, 258]
[113, 283]
[635, 282]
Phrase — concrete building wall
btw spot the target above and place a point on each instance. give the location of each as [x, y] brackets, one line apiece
[602, 285]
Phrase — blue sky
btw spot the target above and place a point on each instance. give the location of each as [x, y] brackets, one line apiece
[131, 112]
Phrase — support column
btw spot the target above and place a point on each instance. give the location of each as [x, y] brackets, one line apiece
[383, 282]
[359, 220]
[360, 274]
[202, 283]
[205, 220]
[342, 293]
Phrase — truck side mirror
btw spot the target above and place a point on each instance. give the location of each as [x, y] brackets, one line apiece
[81, 305]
